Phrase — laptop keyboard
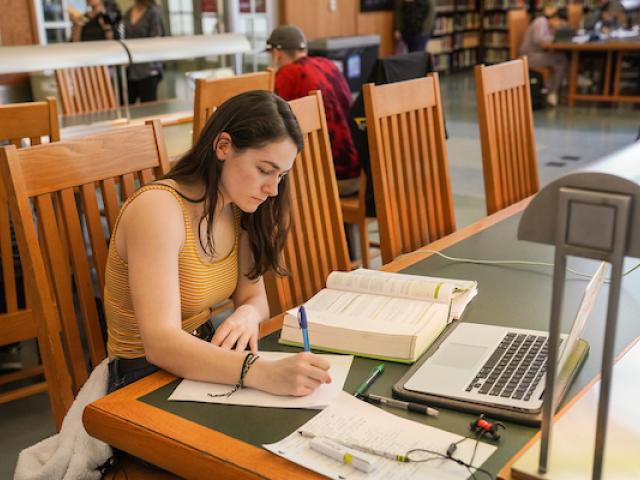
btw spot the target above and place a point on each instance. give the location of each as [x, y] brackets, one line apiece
[515, 368]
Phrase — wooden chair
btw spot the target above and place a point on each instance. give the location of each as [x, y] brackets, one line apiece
[211, 93]
[409, 164]
[574, 14]
[85, 90]
[354, 212]
[506, 132]
[316, 245]
[19, 122]
[54, 192]
[517, 24]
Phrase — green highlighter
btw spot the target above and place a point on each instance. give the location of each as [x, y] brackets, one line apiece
[373, 375]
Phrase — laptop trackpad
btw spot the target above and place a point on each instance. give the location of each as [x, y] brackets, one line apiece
[458, 355]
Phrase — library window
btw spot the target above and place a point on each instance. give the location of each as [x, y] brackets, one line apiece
[180, 17]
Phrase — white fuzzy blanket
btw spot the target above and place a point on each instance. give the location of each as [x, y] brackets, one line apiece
[71, 454]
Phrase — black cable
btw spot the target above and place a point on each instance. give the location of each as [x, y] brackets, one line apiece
[475, 449]
[448, 457]
[473, 475]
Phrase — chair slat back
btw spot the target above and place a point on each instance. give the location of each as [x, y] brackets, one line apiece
[316, 245]
[211, 93]
[411, 182]
[517, 24]
[575, 14]
[20, 123]
[506, 132]
[29, 121]
[85, 90]
[56, 192]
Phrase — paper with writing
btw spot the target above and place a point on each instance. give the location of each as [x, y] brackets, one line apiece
[351, 420]
[190, 390]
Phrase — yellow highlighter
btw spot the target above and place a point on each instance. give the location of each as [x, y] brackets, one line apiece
[339, 452]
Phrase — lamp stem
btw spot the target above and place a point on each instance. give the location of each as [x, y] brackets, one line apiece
[548, 406]
[607, 365]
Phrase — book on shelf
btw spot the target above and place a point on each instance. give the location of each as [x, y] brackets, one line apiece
[389, 316]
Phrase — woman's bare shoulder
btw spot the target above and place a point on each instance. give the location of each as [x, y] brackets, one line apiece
[152, 211]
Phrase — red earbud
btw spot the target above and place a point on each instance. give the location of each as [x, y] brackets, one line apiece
[484, 427]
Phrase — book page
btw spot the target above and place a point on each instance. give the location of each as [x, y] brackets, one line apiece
[459, 285]
[354, 421]
[419, 286]
[193, 391]
[366, 312]
[394, 285]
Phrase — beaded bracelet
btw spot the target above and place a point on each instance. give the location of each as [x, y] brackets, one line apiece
[249, 360]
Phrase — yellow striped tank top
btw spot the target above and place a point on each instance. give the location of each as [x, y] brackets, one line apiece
[202, 285]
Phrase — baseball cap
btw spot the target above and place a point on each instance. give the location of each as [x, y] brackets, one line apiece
[287, 37]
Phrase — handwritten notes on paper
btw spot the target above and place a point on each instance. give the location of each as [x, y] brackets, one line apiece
[351, 420]
[190, 390]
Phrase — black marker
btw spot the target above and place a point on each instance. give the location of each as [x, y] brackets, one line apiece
[410, 406]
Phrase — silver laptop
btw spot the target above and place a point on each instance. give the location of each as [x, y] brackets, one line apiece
[502, 367]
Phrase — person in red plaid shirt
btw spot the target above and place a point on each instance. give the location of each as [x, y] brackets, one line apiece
[297, 74]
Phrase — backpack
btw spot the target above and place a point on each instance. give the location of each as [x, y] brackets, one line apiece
[538, 91]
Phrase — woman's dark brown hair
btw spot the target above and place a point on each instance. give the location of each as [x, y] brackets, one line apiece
[252, 120]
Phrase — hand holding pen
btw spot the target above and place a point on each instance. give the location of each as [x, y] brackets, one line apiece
[304, 326]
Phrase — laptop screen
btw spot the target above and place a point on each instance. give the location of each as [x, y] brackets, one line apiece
[584, 310]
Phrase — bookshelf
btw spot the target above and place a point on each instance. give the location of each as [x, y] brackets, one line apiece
[455, 41]
[468, 32]
[495, 35]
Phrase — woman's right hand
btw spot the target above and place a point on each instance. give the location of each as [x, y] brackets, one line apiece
[296, 375]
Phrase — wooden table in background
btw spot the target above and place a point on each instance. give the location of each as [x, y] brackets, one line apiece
[614, 50]
[175, 115]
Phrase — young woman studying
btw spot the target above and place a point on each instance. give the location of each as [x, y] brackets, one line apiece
[209, 230]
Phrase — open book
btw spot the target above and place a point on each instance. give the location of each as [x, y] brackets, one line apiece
[390, 316]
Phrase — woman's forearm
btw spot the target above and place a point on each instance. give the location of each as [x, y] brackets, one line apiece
[190, 357]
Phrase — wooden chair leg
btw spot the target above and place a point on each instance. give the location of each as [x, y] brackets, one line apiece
[363, 233]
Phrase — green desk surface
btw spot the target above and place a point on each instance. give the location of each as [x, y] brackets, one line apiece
[508, 295]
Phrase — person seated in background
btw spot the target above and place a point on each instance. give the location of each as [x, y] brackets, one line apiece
[299, 73]
[605, 20]
[541, 31]
[608, 15]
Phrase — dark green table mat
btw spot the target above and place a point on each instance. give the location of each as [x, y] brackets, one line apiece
[513, 295]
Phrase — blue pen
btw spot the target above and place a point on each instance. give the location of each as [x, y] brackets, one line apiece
[304, 326]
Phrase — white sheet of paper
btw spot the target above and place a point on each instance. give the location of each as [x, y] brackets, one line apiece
[190, 390]
[351, 420]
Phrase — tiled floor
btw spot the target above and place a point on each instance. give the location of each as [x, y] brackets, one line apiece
[586, 132]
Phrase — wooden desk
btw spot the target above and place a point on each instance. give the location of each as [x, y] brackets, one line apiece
[614, 50]
[214, 441]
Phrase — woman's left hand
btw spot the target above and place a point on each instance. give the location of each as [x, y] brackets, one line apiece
[240, 329]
